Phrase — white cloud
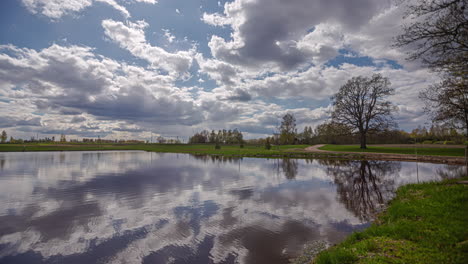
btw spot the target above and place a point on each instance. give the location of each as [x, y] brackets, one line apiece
[170, 38]
[262, 36]
[131, 36]
[216, 19]
[271, 56]
[62, 81]
[148, 1]
[322, 43]
[316, 84]
[118, 7]
[376, 38]
[221, 72]
[277, 52]
[55, 9]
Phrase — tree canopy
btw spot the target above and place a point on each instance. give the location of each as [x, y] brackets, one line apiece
[288, 129]
[3, 136]
[438, 34]
[361, 105]
[447, 102]
[222, 137]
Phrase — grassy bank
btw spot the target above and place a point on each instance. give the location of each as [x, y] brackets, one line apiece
[291, 151]
[456, 152]
[425, 223]
[226, 150]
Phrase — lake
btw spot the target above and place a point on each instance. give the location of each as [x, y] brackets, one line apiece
[141, 207]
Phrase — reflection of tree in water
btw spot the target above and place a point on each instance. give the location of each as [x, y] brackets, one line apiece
[216, 159]
[364, 187]
[289, 167]
[451, 171]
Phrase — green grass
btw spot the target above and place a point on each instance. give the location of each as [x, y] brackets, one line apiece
[426, 223]
[226, 150]
[458, 152]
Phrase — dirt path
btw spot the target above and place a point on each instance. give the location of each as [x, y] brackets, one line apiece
[315, 148]
[389, 156]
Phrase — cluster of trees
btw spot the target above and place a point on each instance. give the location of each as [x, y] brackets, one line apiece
[100, 140]
[4, 139]
[163, 140]
[333, 133]
[437, 134]
[221, 137]
[337, 133]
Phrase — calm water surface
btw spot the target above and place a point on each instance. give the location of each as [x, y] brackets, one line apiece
[139, 207]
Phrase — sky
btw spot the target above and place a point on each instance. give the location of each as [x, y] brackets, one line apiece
[121, 69]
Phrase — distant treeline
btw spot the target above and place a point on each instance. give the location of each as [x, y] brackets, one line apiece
[332, 133]
[99, 140]
[63, 139]
[326, 133]
[221, 137]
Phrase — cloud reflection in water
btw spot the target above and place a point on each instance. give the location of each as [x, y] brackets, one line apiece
[139, 207]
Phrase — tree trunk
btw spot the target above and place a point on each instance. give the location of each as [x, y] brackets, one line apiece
[466, 151]
[466, 159]
[363, 140]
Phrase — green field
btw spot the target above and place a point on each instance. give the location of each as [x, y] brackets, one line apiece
[425, 223]
[227, 150]
[436, 151]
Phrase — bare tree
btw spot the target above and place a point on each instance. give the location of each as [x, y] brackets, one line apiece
[438, 35]
[290, 168]
[364, 187]
[360, 104]
[63, 138]
[288, 129]
[447, 102]
[3, 136]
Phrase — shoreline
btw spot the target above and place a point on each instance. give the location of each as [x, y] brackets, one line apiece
[451, 160]
[294, 152]
[424, 223]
